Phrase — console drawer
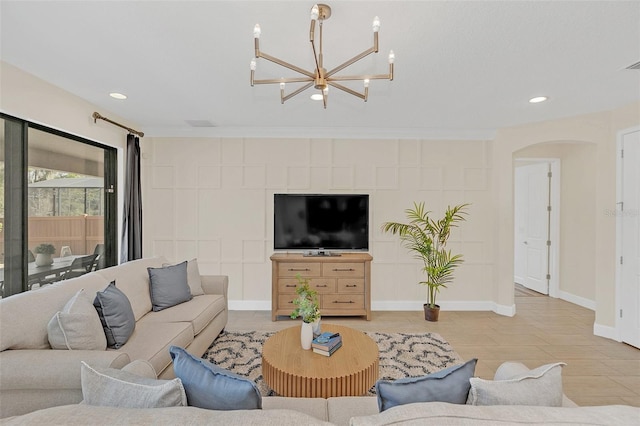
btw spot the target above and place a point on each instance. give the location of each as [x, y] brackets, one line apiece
[287, 285]
[285, 301]
[350, 285]
[343, 269]
[343, 301]
[306, 270]
[321, 285]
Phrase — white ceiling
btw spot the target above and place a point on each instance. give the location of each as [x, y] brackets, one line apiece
[463, 69]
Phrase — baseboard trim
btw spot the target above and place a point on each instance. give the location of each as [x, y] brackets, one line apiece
[577, 300]
[606, 332]
[399, 305]
[249, 305]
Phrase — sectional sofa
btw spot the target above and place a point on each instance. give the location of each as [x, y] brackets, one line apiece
[34, 376]
[40, 385]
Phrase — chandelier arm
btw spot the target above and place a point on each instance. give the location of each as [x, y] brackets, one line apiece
[346, 89]
[351, 61]
[297, 91]
[286, 64]
[312, 36]
[283, 80]
[361, 77]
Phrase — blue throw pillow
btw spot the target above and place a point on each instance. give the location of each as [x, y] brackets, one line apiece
[209, 386]
[168, 286]
[449, 385]
[116, 315]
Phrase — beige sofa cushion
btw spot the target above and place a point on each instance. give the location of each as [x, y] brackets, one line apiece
[65, 375]
[316, 407]
[341, 409]
[199, 312]
[442, 413]
[133, 279]
[24, 317]
[151, 341]
[82, 415]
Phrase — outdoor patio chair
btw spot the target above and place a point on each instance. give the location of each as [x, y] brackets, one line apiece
[80, 266]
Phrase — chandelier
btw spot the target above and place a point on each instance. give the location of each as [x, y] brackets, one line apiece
[319, 78]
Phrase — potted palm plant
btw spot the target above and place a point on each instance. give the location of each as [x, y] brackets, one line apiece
[427, 239]
[307, 307]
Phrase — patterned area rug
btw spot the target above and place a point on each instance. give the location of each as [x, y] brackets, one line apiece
[401, 355]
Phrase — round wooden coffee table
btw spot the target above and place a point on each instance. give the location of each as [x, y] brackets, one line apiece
[291, 371]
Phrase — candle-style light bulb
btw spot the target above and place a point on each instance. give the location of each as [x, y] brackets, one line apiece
[253, 64]
[282, 86]
[392, 57]
[257, 31]
[366, 82]
[315, 12]
[376, 24]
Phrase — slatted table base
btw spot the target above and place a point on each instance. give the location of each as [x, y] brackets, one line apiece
[291, 371]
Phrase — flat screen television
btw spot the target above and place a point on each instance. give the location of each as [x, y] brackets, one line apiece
[320, 222]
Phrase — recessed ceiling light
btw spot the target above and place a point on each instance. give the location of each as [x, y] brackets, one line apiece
[538, 99]
[117, 95]
[316, 96]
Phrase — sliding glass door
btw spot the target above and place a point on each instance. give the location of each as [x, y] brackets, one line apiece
[62, 208]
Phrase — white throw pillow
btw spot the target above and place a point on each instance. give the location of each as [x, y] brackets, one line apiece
[77, 326]
[110, 387]
[541, 386]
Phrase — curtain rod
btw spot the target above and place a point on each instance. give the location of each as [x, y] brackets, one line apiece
[97, 116]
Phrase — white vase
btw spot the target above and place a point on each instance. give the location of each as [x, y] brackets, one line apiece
[43, 259]
[306, 335]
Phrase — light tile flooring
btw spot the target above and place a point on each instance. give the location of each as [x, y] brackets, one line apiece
[599, 371]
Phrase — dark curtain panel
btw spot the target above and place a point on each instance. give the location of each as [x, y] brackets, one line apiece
[132, 218]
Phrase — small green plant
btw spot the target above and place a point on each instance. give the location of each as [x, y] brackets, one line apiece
[44, 249]
[306, 302]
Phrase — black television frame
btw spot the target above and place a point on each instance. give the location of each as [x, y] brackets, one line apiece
[322, 249]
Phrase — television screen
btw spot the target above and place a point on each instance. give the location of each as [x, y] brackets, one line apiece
[321, 222]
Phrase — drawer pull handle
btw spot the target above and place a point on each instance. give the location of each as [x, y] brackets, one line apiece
[338, 301]
[298, 269]
[352, 285]
[290, 285]
[343, 269]
[322, 285]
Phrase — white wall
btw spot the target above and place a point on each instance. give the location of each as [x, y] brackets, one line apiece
[599, 129]
[213, 199]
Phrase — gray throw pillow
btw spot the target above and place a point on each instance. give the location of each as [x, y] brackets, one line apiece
[168, 286]
[541, 386]
[116, 315]
[193, 277]
[209, 386]
[110, 387]
[448, 385]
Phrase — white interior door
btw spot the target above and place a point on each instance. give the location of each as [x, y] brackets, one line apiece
[629, 221]
[531, 217]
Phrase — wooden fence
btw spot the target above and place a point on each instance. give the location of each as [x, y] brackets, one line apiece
[80, 233]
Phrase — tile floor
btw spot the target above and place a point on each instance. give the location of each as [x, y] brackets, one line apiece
[599, 371]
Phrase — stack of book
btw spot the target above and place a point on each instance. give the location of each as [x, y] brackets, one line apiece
[326, 343]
